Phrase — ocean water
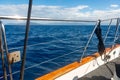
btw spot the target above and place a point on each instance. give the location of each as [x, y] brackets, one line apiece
[51, 46]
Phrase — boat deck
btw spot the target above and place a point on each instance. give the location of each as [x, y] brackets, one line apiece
[104, 72]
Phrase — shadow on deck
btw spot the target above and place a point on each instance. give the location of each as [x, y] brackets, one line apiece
[104, 72]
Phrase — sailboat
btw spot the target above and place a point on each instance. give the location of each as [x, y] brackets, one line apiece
[101, 65]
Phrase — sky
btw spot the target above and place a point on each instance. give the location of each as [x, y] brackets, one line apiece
[63, 9]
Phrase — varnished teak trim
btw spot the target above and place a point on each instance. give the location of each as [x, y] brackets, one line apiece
[53, 75]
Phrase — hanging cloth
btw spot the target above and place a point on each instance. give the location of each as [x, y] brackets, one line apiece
[101, 47]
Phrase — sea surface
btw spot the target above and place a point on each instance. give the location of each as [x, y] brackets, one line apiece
[51, 46]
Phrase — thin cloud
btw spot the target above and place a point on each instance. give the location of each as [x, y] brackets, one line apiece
[114, 6]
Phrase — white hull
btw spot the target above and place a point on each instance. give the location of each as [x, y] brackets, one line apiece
[90, 66]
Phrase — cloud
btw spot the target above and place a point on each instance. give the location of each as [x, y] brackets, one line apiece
[58, 12]
[40, 11]
[13, 10]
[114, 6]
[105, 14]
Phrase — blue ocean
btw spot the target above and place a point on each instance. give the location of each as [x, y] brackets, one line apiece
[51, 46]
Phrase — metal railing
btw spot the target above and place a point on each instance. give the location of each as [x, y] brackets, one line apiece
[3, 37]
[48, 19]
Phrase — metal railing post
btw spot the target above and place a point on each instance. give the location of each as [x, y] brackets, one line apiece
[26, 40]
[2, 54]
[6, 49]
[117, 28]
[89, 40]
[109, 26]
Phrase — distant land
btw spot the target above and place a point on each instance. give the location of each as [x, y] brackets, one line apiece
[54, 23]
[49, 23]
[22, 23]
